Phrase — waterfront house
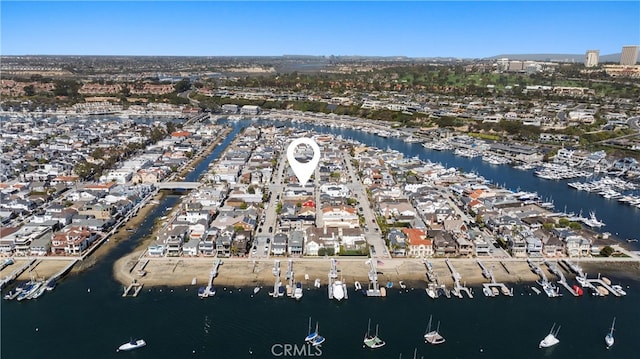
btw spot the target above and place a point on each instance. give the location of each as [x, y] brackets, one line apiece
[443, 243]
[72, 240]
[397, 242]
[323, 237]
[296, 242]
[207, 245]
[553, 247]
[481, 243]
[352, 238]
[191, 247]
[279, 244]
[223, 242]
[156, 249]
[419, 245]
[240, 243]
[173, 239]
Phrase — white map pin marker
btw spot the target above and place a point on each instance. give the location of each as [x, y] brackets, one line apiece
[303, 171]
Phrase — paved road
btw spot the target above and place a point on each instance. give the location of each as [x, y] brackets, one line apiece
[372, 230]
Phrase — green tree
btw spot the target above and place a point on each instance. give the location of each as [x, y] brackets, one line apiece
[182, 85]
[607, 251]
[29, 90]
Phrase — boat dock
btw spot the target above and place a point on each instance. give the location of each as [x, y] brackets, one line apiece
[537, 270]
[333, 274]
[457, 287]
[604, 284]
[276, 273]
[562, 280]
[431, 275]
[137, 287]
[141, 268]
[209, 290]
[16, 273]
[374, 289]
[581, 277]
[289, 279]
[574, 268]
[487, 273]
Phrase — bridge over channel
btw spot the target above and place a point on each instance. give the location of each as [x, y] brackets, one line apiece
[178, 185]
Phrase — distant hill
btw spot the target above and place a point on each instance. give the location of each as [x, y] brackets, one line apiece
[556, 57]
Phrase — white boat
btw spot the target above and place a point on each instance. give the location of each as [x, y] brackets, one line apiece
[338, 290]
[487, 291]
[256, 290]
[535, 290]
[38, 292]
[551, 338]
[357, 285]
[132, 344]
[28, 291]
[432, 291]
[316, 283]
[402, 285]
[372, 341]
[297, 292]
[433, 336]
[608, 339]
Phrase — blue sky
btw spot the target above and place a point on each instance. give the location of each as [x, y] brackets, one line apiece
[415, 29]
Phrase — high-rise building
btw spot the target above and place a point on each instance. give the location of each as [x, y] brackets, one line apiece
[629, 55]
[591, 58]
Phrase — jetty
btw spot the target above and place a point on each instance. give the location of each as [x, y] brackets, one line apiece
[457, 287]
[561, 279]
[489, 291]
[136, 286]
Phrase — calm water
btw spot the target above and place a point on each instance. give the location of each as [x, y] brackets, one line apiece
[72, 322]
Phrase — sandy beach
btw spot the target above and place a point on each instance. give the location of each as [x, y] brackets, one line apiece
[240, 272]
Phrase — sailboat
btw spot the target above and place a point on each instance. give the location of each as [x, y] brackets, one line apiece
[551, 338]
[433, 336]
[373, 341]
[608, 339]
[311, 336]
